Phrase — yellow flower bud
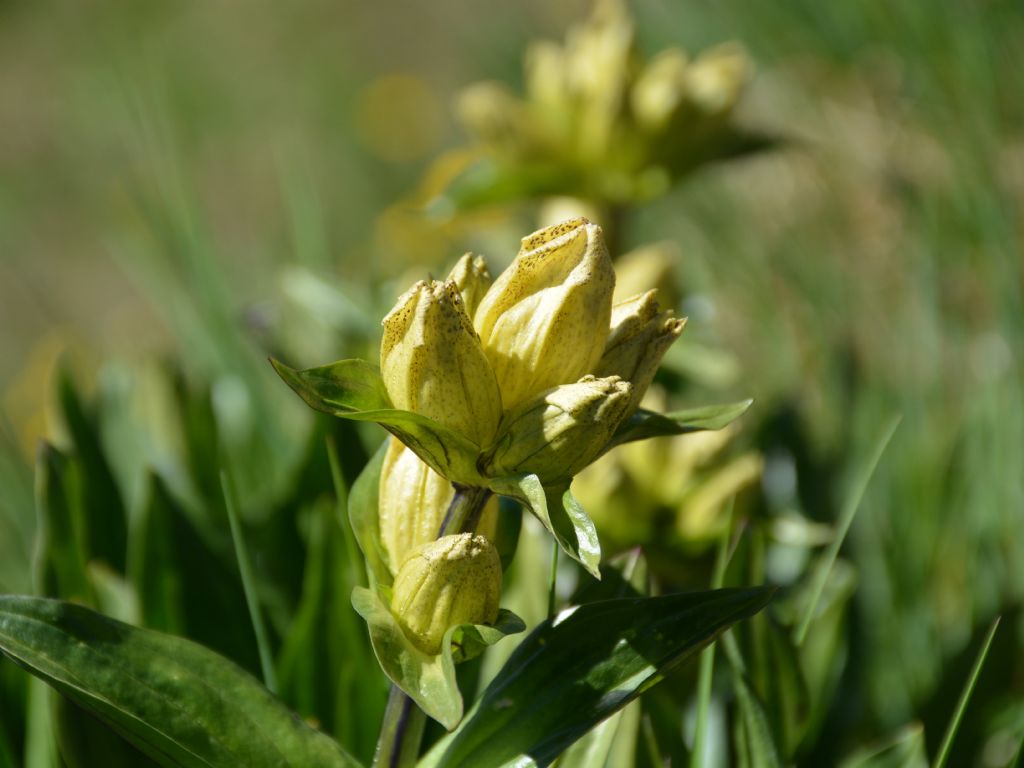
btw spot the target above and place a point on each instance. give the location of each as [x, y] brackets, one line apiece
[545, 76]
[473, 278]
[660, 90]
[639, 336]
[599, 58]
[545, 320]
[432, 362]
[413, 502]
[716, 79]
[560, 432]
[453, 580]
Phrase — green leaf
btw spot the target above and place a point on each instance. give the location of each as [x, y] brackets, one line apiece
[755, 747]
[62, 570]
[645, 424]
[18, 516]
[188, 587]
[580, 667]
[428, 680]
[626, 575]
[326, 668]
[363, 504]
[353, 389]
[107, 528]
[179, 703]
[778, 679]
[560, 513]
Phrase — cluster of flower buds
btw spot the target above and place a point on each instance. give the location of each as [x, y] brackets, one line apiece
[624, 127]
[537, 370]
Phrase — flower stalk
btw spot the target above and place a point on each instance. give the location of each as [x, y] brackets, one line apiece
[401, 731]
[398, 745]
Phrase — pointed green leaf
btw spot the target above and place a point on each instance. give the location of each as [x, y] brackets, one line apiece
[580, 667]
[353, 389]
[326, 669]
[625, 575]
[363, 504]
[188, 584]
[560, 513]
[62, 565]
[101, 500]
[341, 388]
[179, 703]
[18, 516]
[645, 424]
[470, 640]
[428, 680]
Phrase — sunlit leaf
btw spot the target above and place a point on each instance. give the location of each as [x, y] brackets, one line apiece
[363, 504]
[580, 667]
[353, 389]
[560, 513]
[645, 424]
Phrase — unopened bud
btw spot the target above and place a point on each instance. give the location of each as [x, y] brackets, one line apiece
[560, 432]
[545, 320]
[453, 580]
[639, 337]
[545, 76]
[716, 79]
[660, 90]
[432, 362]
[472, 277]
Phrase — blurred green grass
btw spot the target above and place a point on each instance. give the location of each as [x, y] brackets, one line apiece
[165, 167]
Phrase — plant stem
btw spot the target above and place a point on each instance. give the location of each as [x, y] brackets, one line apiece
[553, 578]
[402, 729]
[464, 511]
[399, 742]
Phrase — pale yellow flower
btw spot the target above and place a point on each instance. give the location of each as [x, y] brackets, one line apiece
[545, 319]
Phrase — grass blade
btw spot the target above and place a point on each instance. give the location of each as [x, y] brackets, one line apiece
[965, 695]
[707, 657]
[249, 585]
[845, 520]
